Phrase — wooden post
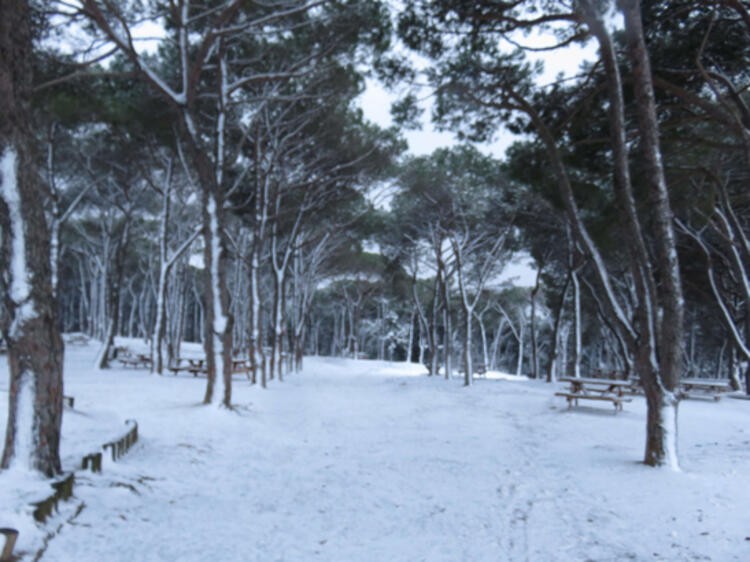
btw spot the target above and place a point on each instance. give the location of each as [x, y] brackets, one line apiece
[6, 555]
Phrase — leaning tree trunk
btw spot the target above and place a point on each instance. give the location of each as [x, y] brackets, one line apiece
[112, 302]
[656, 339]
[35, 349]
[554, 348]
[661, 448]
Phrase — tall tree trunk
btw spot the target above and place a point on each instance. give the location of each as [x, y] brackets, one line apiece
[113, 290]
[521, 334]
[468, 364]
[554, 349]
[35, 348]
[577, 328]
[656, 339]
[534, 343]
[410, 338]
[661, 446]
[433, 332]
[160, 325]
[218, 321]
[447, 330]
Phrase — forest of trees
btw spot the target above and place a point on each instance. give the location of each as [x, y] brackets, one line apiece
[226, 188]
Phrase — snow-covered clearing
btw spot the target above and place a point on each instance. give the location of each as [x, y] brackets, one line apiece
[364, 460]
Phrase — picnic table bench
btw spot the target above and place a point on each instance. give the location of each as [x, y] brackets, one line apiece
[77, 339]
[703, 388]
[134, 360]
[195, 366]
[241, 366]
[198, 366]
[609, 390]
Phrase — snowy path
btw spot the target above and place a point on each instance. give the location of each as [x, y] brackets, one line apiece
[363, 461]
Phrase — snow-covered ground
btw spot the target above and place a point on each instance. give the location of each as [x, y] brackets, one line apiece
[373, 461]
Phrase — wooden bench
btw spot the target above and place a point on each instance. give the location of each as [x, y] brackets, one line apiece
[194, 366]
[703, 388]
[77, 339]
[198, 367]
[134, 360]
[241, 366]
[610, 390]
[573, 398]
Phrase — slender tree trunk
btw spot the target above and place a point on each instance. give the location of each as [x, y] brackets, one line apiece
[483, 335]
[35, 348]
[556, 329]
[577, 329]
[534, 343]
[661, 446]
[113, 290]
[521, 337]
[218, 321]
[157, 347]
[410, 339]
[468, 364]
[496, 343]
[447, 331]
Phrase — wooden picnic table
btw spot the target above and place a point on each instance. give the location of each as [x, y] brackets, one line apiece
[196, 366]
[584, 388]
[705, 388]
[134, 360]
[241, 366]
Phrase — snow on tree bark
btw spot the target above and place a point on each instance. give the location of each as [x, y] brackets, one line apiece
[670, 317]
[35, 349]
[655, 340]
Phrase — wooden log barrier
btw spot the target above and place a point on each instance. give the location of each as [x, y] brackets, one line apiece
[122, 445]
[6, 555]
[63, 491]
[92, 461]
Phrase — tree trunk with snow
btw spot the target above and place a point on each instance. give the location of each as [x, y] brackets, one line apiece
[218, 321]
[166, 263]
[555, 339]
[433, 331]
[521, 334]
[160, 325]
[661, 443]
[576, 324]
[113, 289]
[35, 349]
[655, 340]
[534, 343]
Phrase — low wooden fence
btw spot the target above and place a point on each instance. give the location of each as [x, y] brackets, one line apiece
[63, 487]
